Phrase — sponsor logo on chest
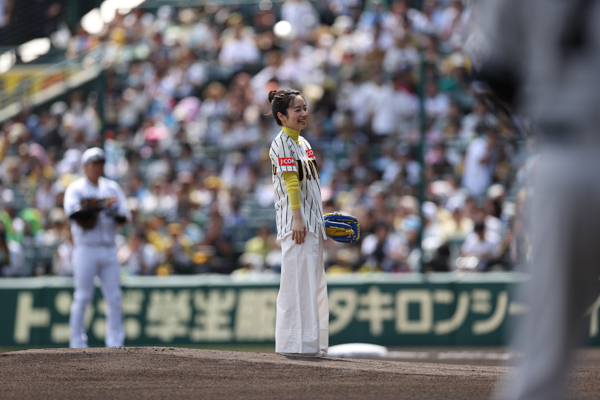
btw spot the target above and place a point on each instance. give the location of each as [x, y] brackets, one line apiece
[286, 161]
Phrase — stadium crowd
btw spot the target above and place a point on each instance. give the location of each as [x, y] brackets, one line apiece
[186, 131]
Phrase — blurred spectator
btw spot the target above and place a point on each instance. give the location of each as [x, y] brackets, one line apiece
[220, 246]
[81, 42]
[480, 161]
[381, 250]
[409, 252]
[262, 243]
[301, 15]
[12, 257]
[138, 256]
[56, 229]
[250, 263]
[457, 226]
[178, 250]
[345, 261]
[483, 245]
[62, 262]
[240, 50]
[432, 231]
[477, 118]
[401, 55]
[392, 105]
[186, 162]
[436, 104]
[45, 197]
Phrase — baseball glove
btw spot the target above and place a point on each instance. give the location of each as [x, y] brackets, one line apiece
[342, 228]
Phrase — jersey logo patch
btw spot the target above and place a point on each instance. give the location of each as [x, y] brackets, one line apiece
[286, 162]
[310, 153]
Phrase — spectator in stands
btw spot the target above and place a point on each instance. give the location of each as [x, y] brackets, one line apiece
[391, 107]
[81, 42]
[138, 256]
[457, 226]
[12, 257]
[437, 104]
[480, 160]
[408, 253]
[301, 15]
[432, 230]
[62, 262]
[482, 244]
[178, 250]
[477, 118]
[220, 245]
[263, 243]
[382, 250]
[400, 56]
[56, 228]
[240, 50]
[45, 197]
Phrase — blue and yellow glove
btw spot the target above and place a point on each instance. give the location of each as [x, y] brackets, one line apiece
[342, 228]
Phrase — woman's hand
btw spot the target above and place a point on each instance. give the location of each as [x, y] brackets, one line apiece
[298, 227]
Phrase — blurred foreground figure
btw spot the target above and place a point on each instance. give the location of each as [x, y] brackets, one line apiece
[545, 55]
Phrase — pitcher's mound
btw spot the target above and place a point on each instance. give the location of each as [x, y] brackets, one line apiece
[176, 373]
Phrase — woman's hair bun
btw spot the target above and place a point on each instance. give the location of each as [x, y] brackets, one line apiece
[272, 94]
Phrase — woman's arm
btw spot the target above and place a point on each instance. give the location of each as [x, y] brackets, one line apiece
[293, 188]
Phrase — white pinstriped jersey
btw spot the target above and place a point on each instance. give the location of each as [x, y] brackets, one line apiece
[287, 155]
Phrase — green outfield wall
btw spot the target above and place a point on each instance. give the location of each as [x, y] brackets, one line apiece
[390, 310]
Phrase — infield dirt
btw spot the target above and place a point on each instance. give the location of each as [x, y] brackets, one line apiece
[177, 373]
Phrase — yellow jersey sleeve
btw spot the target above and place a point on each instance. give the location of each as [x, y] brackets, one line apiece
[293, 188]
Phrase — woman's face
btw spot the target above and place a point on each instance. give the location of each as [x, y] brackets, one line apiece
[296, 116]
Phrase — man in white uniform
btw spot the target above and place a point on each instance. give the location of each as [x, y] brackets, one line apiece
[95, 205]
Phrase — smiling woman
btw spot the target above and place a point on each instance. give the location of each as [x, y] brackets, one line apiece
[281, 101]
[302, 326]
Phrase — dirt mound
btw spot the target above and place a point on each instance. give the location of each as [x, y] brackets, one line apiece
[164, 372]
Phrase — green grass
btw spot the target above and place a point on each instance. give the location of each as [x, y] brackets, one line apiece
[258, 348]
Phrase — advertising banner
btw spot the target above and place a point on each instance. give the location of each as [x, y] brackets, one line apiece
[387, 310]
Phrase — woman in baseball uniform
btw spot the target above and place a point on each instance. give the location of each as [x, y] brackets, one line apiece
[302, 326]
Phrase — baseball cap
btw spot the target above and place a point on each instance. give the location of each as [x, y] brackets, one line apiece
[92, 155]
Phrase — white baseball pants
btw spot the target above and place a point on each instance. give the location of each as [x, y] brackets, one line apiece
[302, 325]
[89, 262]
